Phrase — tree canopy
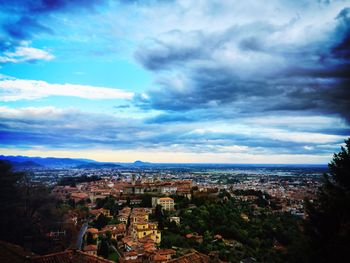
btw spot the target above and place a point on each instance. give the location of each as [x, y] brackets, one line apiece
[27, 211]
[329, 214]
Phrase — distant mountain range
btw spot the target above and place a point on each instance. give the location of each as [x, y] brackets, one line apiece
[25, 162]
[52, 162]
[30, 162]
[141, 163]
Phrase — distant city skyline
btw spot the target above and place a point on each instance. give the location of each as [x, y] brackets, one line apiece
[175, 81]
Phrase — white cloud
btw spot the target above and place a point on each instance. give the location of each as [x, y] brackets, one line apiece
[19, 89]
[263, 132]
[24, 54]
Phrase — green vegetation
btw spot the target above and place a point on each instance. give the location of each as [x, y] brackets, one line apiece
[113, 256]
[214, 223]
[237, 231]
[103, 248]
[28, 212]
[73, 181]
[108, 203]
[329, 224]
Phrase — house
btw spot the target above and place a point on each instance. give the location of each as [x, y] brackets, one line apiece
[97, 212]
[91, 249]
[163, 255]
[123, 215]
[117, 231]
[93, 231]
[79, 196]
[193, 257]
[167, 203]
[130, 257]
[175, 219]
[138, 214]
[143, 228]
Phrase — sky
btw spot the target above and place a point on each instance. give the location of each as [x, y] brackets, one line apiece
[187, 81]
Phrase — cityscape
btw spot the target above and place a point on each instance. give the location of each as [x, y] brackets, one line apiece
[145, 212]
[174, 131]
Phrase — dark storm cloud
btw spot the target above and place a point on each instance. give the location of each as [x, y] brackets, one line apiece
[24, 19]
[341, 49]
[240, 68]
[24, 28]
[45, 6]
[61, 129]
[160, 55]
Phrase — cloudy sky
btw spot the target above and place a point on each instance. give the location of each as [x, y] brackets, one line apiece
[175, 81]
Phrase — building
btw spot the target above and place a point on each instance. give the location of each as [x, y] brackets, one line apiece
[142, 228]
[117, 231]
[91, 249]
[93, 231]
[124, 214]
[163, 255]
[193, 257]
[175, 219]
[167, 203]
[97, 212]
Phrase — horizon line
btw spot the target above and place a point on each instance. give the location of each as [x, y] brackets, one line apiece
[164, 163]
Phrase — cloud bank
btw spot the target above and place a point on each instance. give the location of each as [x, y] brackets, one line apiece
[18, 89]
[295, 63]
[230, 78]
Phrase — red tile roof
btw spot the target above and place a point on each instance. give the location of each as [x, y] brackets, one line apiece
[193, 257]
[69, 256]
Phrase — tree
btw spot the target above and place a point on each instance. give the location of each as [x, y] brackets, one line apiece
[103, 248]
[159, 216]
[101, 221]
[90, 239]
[10, 200]
[111, 205]
[329, 215]
[27, 211]
[146, 201]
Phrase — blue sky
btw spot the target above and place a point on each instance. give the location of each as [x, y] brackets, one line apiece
[175, 81]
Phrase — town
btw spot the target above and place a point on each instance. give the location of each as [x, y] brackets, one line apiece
[144, 215]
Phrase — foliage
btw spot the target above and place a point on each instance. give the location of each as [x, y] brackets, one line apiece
[108, 203]
[257, 237]
[90, 239]
[170, 239]
[159, 217]
[181, 202]
[113, 256]
[329, 224]
[27, 212]
[103, 248]
[100, 222]
[146, 200]
[73, 181]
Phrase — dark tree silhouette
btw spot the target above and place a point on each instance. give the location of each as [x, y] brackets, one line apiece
[103, 248]
[329, 215]
[10, 200]
[101, 221]
[159, 216]
[27, 212]
[90, 239]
